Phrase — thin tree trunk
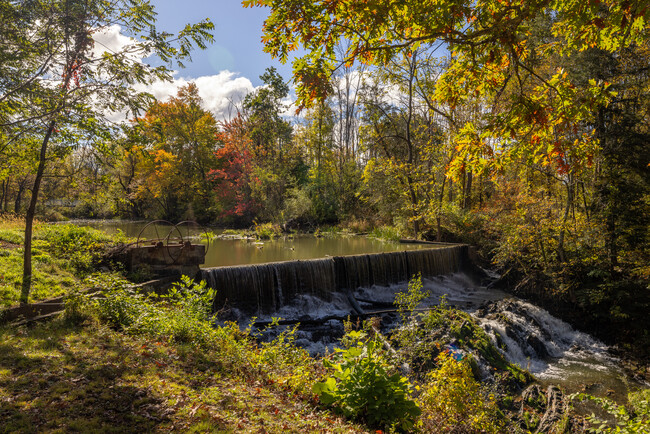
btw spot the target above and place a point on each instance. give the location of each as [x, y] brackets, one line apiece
[567, 211]
[29, 217]
[5, 193]
[467, 200]
[438, 217]
[19, 196]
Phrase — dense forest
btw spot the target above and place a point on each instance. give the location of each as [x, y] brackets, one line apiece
[520, 127]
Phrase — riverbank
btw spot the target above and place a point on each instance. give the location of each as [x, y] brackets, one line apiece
[125, 362]
[61, 377]
[64, 257]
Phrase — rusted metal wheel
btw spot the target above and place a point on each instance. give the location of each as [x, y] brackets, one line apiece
[198, 229]
[157, 227]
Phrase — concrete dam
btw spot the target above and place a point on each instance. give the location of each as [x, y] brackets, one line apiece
[265, 288]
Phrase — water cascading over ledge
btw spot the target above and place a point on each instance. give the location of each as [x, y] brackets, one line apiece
[264, 288]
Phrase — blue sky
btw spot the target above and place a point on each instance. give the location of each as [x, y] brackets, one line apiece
[237, 47]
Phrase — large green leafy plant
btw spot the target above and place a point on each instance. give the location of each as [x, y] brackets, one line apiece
[364, 386]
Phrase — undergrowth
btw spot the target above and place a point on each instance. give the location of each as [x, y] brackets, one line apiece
[161, 362]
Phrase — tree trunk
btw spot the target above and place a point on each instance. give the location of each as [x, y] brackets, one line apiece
[438, 217]
[467, 200]
[19, 196]
[29, 217]
[5, 195]
[567, 211]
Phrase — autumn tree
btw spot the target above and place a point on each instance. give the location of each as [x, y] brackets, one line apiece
[491, 48]
[178, 138]
[234, 177]
[276, 161]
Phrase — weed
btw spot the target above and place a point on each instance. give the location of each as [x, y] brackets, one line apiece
[386, 233]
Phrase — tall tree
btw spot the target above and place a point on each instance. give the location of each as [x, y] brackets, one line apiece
[186, 131]
[491, 49]
[403, 138]
[263, 111]
[57, 84]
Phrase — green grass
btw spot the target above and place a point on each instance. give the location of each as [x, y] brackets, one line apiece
[62, 255]
[50, 277]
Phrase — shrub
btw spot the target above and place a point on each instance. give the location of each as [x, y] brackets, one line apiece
[288, 364]
[182, 315]
[387, 233]
[78, 308]
[634, 420]
[267, 231]
[297, 206]
[452, 400]
[363, 387]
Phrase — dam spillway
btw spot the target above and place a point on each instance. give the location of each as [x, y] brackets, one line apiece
[264, 288]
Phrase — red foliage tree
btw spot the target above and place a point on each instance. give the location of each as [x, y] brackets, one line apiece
[235, 175]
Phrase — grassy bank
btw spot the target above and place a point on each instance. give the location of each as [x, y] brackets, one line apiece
[63, 255]
[57, 377]
[125, 362]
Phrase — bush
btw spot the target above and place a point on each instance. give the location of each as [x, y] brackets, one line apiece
[297, 206]
[267, 231]
[288, 364]
[386, 233]
[362, 386]
[635, 420]
[182, 315]
[78, 308]
[452, 400]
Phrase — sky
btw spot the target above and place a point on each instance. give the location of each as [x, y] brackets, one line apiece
[238, 32]
[229, 68]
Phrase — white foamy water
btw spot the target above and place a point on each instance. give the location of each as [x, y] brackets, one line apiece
[527, 335]
[552, 350]
[458, 289]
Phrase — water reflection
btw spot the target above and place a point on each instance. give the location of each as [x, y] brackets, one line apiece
[224, 252]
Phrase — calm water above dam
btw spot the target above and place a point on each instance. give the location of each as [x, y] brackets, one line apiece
[230, 251]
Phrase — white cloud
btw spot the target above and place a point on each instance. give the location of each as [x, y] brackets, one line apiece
[220, 92]
[110, 39]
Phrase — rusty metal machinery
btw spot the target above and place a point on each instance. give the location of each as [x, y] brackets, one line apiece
[169, 236]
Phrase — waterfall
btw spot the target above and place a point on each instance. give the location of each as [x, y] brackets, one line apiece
[532, 338]
[265, 288]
